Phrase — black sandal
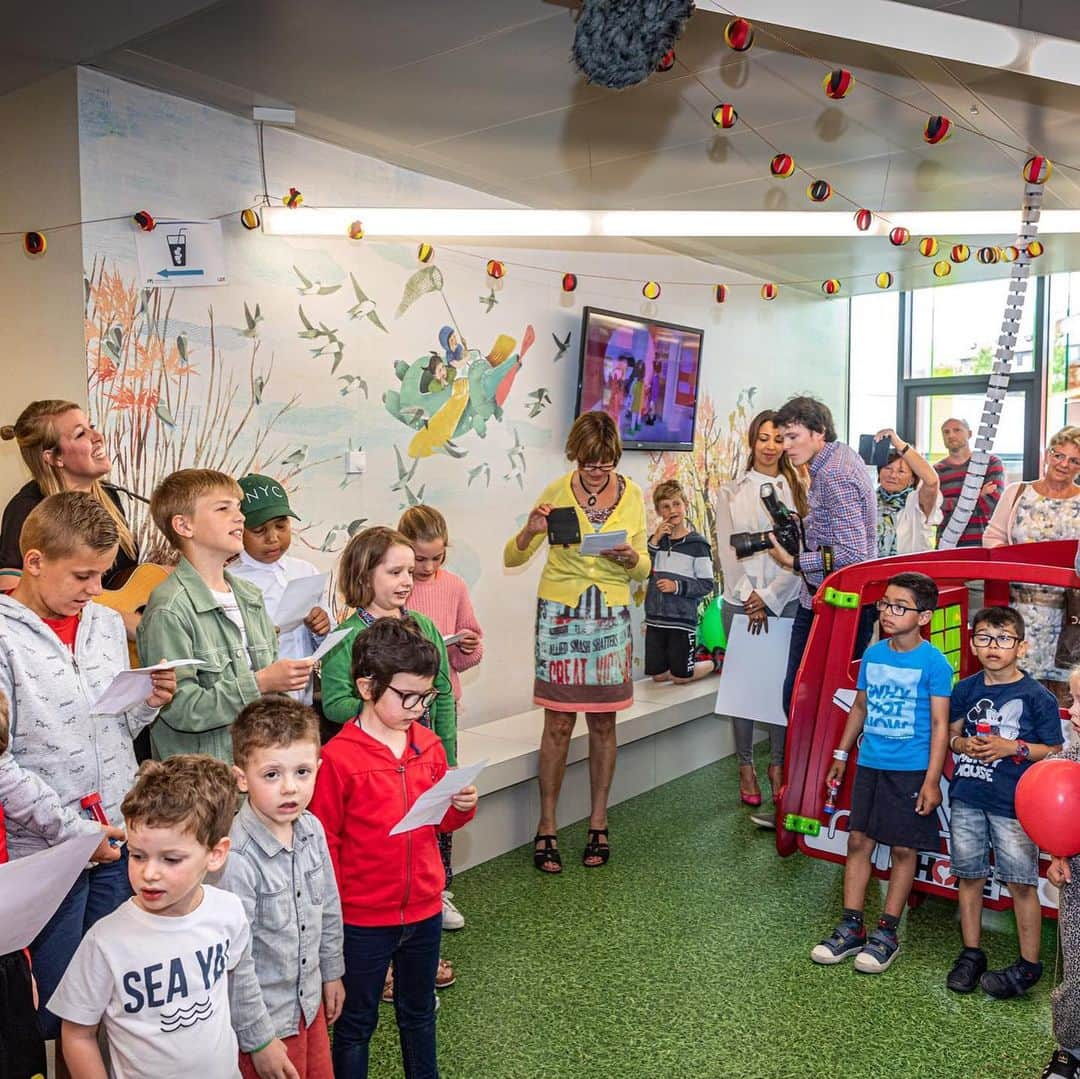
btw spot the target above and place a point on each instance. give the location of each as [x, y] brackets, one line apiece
[595, 849]
[548, 854]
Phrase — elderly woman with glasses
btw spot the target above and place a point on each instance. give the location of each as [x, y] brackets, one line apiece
[1045, 509]
[584, 648]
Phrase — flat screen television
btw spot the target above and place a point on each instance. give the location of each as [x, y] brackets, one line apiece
[644, 374]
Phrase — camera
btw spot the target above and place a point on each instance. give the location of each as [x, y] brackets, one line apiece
[787, 528]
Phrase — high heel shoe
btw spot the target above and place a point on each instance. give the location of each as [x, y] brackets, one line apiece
[749, 794]
[776, 780]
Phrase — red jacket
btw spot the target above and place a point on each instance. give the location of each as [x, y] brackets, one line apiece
[362, 791]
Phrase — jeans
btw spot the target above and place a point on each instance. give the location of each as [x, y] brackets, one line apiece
[800, 634]
[369, 950]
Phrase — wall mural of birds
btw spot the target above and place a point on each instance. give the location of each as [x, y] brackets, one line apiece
[516, 453]
[332, 343]
[258, 384]
[252, 320]
[403, 474]
[296, 458]
[411, 498]
[540, 398]
[517, 472]
[162, 412]
[488, 301]
[314, 288]
[483, 469]
[562, 346]
[352, 382]
[364, 307]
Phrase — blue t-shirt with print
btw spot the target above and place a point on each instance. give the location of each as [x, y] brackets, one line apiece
[898, 686]
[1022, 709]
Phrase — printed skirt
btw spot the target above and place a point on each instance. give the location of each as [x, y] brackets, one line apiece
[584, 655]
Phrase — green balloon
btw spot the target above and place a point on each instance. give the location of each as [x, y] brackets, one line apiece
[710, 632]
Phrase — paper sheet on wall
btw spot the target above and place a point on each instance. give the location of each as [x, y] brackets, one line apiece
[599, 542]
[751, 686]
[130, 688]
[297, 600]
[32, 888]
[431, 806]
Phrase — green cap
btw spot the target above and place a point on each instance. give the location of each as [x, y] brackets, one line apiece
[264, 499]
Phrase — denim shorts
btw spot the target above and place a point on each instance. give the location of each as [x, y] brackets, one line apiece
[973, 832]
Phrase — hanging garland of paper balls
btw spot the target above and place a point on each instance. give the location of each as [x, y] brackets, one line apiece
[988, 255]
[651, 290]
[838, 84]
[928, 246]
[34, 243]
[739, 34]
[356, 230]
[667, 61]
[569, 282]
[899, 236]
[496, 269]
[831, 287]
[769, 291]
[1037, 170]
[942, 268]
[293, 199]
[249, 218]
[1035, 249]
[1010, 253]
[724, 115]
[424, 252]
[884, 279]
[937, 129]
[721, 293]
[960, 253]
[782, 166]
[863, 220]
[819, 191]
[143, 219]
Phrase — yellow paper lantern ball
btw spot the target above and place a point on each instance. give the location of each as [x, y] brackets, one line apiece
[942, 268]
[249, 218]
[884, 279]
[928, 246]
[1035, 249]
[1010, 253]
[356, 230]
[424, 252]
[651, 290]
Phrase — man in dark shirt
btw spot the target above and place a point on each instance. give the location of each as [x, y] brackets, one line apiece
[952, 469]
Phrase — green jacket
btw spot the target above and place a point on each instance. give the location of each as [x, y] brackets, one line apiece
[182, 621]
[340, 701]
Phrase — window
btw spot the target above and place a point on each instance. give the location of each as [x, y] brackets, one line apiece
[875, 337]
[1063, 379]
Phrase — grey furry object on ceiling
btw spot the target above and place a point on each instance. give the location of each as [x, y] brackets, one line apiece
[618, 43]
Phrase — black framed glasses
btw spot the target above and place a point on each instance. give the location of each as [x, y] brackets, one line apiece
[1002, 640]
[896, 609]
[1058, 456]
[594, 467]
[411, 701]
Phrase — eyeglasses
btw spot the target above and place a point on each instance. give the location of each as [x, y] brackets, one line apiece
[896, 609]
[597, 468]
[411, 701]
[1057, 456]
[1002, 640]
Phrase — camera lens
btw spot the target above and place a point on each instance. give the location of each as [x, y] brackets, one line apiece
[748, 543]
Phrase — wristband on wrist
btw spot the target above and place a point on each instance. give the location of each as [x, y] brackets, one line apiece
[840, 754]
[907, 446]
[952, 745]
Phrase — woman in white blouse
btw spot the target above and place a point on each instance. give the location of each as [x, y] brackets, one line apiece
[757, 586]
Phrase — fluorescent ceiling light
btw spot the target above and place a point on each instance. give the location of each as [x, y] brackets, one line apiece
[517, 224]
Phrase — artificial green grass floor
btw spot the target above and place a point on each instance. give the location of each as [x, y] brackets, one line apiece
[688, 955]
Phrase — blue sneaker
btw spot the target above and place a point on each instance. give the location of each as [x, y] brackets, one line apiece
[881, 949]
[848, 938]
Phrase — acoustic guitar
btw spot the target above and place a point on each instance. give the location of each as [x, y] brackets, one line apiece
[133, 595]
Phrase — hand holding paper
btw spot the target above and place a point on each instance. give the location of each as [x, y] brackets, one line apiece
[130, 688]
[602, 542]
[297, 601]
[431, 806]
[331, 642]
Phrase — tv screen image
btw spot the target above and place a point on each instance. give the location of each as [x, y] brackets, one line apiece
[644, 375]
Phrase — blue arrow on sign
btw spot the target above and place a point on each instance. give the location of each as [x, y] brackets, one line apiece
[180, 273]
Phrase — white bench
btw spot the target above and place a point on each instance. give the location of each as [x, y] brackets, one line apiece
[667, 733]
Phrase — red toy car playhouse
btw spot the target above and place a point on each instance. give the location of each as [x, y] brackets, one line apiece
[825, 687]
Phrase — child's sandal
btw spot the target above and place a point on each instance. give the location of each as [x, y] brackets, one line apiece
[595, 849]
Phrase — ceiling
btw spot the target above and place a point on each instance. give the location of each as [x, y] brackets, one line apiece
[482, 92]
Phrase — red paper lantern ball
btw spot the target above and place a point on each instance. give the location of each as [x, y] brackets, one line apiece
[739, 34]
[425, 252]
[942, 268]
[356, 230]
[928, 246]
[899, 236]
[769, 291]
[651, 290]
[960, 253]
[293, 199]
[1037, 170]
[724, 115]
[837, 84]
[1048, 806]
[721, 293]
[863, 220]
[34, 243]
[249, 218]
[782, 166]
[143, 219]
[667, 61]
[819, 191]
[496, 269]
[569, 282]
[937, 129]
[1035, 249]
[831, 287]
[884, 279]
[987, 255]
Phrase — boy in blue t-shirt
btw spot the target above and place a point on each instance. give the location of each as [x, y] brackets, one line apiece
[1001, 721]
[902, 711]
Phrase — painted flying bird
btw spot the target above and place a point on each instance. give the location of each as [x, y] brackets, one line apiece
[403, 474]
[258, 384]
[354, 526]
[316, 288]
[338, 354]
[489, 301]
[451, 450]
[411, 499]
[516, 453]
[252, 321]
[309, 332]
[165, 415]
[328, 541]
[414, 417]
[517, 473]
[483, 469]
[296, 458]
[352, 382]
[562, 346]
[540, 400]
[364, 307]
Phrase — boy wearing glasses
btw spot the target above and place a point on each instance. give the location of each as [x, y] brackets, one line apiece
[1001, 721]
[902, 712]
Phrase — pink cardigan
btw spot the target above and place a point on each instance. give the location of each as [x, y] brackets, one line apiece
[445, 600]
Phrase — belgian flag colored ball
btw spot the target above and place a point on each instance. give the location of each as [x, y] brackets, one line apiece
[424, 252]
[942, 268]
[1035, 249]
[356, 230]
[1037, 170]
[651, 290]
[769, 291]
[899, 236]
[724, 115]
[667, 61]
[830, 287]
[34, 243]
[884, 279]
[293, 199]
[721, 293]
[739, 34]
[863, 220]
[495, 269]
[819, 191]
[837, 84]
[249, 218]
[960, 253]
[569, 282]
[782, 166]
[928, 246]
[143, 219]
[987, 255]
[937, 129]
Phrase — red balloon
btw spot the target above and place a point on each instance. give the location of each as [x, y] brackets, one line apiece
[1048, 806]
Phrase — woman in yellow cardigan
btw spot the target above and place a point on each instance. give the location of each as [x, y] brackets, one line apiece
[584, 648]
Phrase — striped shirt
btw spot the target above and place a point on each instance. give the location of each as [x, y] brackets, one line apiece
[952, 482]
[688, 562]
[843, 515]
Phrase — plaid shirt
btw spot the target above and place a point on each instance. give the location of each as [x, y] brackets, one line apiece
[843, 515]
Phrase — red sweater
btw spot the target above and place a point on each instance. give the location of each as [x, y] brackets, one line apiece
[362, 791]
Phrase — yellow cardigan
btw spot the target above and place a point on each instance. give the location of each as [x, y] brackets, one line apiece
[568, 573]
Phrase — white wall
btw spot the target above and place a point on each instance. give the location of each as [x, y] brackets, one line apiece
[144, 149]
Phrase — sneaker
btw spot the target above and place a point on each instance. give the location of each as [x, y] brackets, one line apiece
[452, 918]
[969, 967]
[1008, 982]
[881, 949]
[764, 820]
[848, 938]
[1062, 1065]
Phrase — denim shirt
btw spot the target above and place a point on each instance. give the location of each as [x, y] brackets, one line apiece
[291, 900]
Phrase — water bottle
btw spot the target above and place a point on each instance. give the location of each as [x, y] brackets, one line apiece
[983, 728]
[829, 808]
[92, 808]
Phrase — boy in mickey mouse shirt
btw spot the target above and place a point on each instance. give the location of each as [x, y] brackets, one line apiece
[1001, 720]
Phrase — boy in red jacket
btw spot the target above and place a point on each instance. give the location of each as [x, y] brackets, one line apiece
[391, 886]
